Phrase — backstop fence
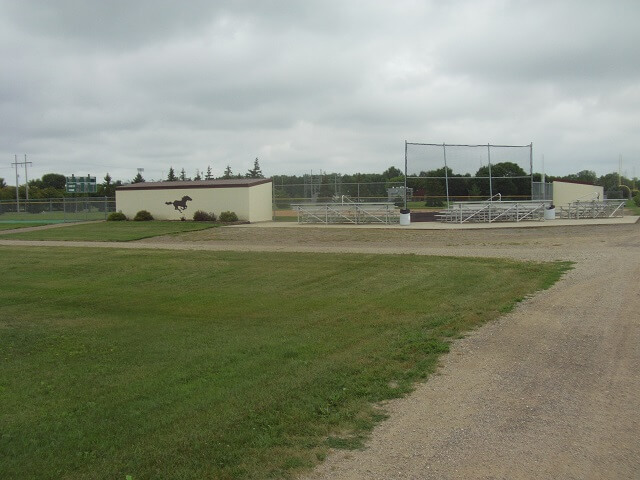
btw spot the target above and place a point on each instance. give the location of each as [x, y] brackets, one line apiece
[331, 190]
[286, 194]
[450, 170]
[56, 210]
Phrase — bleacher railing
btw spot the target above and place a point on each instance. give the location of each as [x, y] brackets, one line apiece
[492, 210]
[593, 209]
[347, 211]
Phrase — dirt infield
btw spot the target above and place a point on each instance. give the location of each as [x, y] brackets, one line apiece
[551, 390]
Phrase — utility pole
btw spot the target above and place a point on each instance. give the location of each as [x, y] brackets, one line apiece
[25, 163]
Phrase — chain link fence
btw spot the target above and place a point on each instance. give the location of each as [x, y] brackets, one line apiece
[286, 194]
[419, 196]
[56, 210]
[475, 170]
[541, 191]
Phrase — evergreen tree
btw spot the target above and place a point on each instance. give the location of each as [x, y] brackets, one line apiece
[108, 188]
[255, 172]
[227, 173]
[198, 176]
[172, 175]
[138, 178]
[183, 175]
[208, 175]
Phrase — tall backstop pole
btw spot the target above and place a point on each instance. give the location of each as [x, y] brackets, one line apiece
[17, 184]
[446, 172]
[490, 180]
[531, 172]
[405, 174]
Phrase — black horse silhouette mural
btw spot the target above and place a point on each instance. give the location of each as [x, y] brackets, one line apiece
[180, 205]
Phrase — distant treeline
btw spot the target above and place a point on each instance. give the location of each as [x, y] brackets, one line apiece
[515, 182]
[326, 185]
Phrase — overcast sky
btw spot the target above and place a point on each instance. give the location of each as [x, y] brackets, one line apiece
[111, 85]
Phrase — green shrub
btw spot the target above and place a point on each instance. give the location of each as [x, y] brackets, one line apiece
[143, 216]
[613, 194]
[434, 202]
[636, 200]
[228, 217]
[202, 216]
[116, 217]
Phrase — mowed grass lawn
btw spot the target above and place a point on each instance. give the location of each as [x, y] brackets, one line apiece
[11, 226]
[192, 365]
[111, 231]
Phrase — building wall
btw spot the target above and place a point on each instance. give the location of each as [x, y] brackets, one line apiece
[251, 204]
[564, 193]
[261, 202]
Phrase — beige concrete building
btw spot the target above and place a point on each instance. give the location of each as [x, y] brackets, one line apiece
[566, 192]
[250, 199]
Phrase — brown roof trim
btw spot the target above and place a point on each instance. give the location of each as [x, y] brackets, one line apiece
[188, 185]
[576, 182]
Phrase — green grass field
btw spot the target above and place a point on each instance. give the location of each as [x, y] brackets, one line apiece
[12, 226]
[55, 216]
[633, 207]
[283, 218]
[191, 365]
[111, 231]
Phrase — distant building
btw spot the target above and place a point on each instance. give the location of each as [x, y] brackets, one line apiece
[251, 199]
[565, 193]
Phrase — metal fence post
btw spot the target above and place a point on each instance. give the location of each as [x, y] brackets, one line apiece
[405, 174]
[490, 181]
[446, 173]
[531, 167]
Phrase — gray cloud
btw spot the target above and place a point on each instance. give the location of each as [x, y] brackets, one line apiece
[111, 86]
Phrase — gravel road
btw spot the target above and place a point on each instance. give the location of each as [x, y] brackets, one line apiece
[549, 391]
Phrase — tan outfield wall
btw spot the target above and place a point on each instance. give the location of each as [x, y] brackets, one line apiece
[250, 199]
[565, 192]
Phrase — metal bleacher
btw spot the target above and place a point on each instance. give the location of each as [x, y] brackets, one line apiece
[494, 210]
[592, 209]
[347, 211]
